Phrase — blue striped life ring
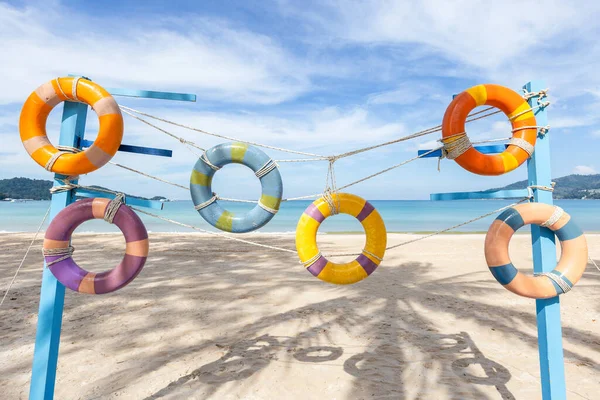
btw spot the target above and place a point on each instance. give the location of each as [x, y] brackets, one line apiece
[205, 201]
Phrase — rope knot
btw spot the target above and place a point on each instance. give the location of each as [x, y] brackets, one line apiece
[113, 206]
[207, 202]
[556, 215]
[206, 161]
[265, 169]
[542, 93]
[557, 278]
[61, 150]
[311, 260]
[334, 206]
[455, 145]
[63, 253]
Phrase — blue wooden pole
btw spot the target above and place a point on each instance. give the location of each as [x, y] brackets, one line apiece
[52, 297]
[552, 368]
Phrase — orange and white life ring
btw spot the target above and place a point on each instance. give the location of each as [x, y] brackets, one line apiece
[32, 126]
[517, 110]
[570, 267]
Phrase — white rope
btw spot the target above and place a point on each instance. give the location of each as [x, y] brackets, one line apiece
[52, 160]
[311, 260]
[541, 129]
[310, 196]
[564, 286]
[438, 232]
[540, 187]
[60, 88]
[388, 169]
[458, 146]
[317, 157]
[113, 206]
[491, 140]
[62, 188]
[267, 208]
[556, 214]
[418, 134]
[372, 255]
[330, 194]
[25, 256]
[215, 233]
[206, 203]
[173, 183]
[236, 200]
[297, 160]
[61, 150]
[129, 110]
[459, 225]
[594, 262]
[540, 105]
[206, 161]
[522, 144]
[542, 93]
[179, 138]
[265, 169]
[65, 252]
[149, 176]
[74, 88]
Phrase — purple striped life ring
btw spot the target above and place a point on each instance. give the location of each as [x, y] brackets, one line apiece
[64, 268]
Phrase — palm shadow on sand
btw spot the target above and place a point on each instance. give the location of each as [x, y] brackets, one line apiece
[400, 335]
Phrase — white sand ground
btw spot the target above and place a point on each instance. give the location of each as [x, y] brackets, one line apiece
[213, 319]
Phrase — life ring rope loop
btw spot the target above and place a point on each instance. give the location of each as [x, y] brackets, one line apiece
[569, 268]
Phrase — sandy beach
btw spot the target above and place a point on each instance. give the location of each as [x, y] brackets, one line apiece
[213, 319]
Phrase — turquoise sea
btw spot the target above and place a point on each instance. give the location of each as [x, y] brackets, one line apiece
[399, 216]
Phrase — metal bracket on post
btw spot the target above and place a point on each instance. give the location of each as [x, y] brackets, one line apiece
[52, 296]
[552, 368]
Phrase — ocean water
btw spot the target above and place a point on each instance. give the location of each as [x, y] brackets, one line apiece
[399, 216]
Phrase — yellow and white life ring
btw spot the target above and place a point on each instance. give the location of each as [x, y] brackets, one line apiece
[365, 263]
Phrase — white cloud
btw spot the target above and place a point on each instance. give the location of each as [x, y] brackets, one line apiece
[407, 93]
[328, 131]
[584, 170]
[208, 57]
[481, 34]
[509, 41]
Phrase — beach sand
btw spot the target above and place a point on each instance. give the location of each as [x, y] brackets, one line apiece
[211, 318]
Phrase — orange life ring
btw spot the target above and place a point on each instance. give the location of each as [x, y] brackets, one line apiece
[570, 267]
[518, 112]
[32, 126]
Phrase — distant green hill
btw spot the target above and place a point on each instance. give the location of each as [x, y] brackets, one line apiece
[35, 189]
[25, 188]
[569, 187]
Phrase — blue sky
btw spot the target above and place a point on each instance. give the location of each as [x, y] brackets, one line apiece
[307, 76]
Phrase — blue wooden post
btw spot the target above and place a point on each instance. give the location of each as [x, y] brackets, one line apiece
[52, 297]
[552, 368]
